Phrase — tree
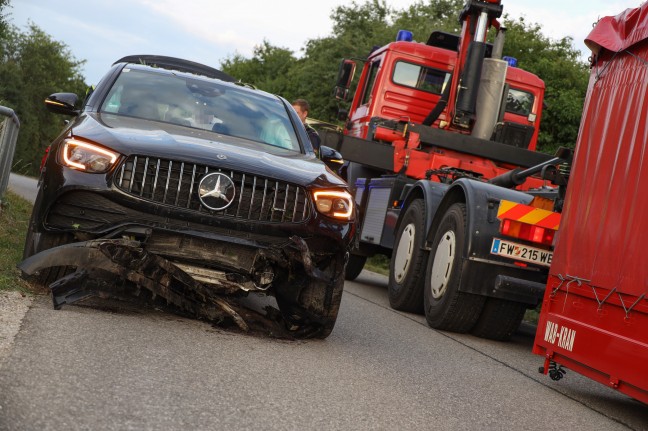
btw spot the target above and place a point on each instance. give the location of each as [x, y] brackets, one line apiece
[565, 75]
[4, 24]
[357, 28]
[268, 69]
[423, 17]
[34, 66]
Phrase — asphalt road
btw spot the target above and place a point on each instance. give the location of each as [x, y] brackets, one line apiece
[111, 365]
[23, 186]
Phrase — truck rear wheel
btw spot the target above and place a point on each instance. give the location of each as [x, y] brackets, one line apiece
[354, 266]
[408, 260]
[499, 319]
[447, 308]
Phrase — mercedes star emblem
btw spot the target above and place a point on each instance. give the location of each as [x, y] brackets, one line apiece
[216, 191]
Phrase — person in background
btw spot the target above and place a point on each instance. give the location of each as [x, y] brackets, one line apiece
[302, 107]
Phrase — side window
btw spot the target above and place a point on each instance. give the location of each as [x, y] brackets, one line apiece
[519, 102]
[420, 77]
[371, 81]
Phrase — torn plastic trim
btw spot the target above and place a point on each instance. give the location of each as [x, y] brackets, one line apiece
[131, 262]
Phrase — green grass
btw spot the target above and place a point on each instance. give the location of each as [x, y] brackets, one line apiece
[378, 263]
[532, 315]
[14, 219]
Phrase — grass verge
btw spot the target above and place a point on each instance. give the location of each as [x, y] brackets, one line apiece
[378, 263]
[532, 315]
[14, 219]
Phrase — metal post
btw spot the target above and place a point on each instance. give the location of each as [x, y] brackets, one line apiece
[9, 125]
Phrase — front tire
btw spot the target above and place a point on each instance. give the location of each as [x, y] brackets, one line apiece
[37, 242]
[316, 311]
[32, 237]
[408, 260]
[354, 266]
[447, 308]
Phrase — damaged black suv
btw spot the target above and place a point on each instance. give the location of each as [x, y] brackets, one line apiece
[174, 178]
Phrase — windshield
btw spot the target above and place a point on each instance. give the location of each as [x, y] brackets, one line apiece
[205, 104]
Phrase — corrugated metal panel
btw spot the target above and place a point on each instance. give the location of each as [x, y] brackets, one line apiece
[375, 218]
[605, 221]
[595, 310]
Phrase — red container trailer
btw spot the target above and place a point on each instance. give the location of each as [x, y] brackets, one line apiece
[594, 317]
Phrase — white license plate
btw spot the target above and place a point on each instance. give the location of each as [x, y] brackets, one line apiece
[521, 252]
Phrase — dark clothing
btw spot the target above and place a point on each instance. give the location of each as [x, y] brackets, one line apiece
[314, 138]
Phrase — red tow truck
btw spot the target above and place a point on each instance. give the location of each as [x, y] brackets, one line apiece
[594, 317]
[440, 141]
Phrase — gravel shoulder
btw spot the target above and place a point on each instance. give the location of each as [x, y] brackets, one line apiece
[13, 307]
[13, 304]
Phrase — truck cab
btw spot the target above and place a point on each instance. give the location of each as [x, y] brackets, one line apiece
[404, 80]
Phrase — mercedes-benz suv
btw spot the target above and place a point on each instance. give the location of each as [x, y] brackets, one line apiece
[173, 177]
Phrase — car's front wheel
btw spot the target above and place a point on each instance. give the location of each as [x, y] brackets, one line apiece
[315, 313]
[37, 242]
[354, 266]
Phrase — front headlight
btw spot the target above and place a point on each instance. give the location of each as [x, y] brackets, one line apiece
[86, 157]
[334, 203]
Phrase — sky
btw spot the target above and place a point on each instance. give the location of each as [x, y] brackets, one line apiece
[210, 31]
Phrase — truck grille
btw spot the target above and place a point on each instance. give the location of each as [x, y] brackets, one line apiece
[175, 183]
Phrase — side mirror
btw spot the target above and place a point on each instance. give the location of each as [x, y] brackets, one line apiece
[341, 93]
[62, 103]
[344, 79]
[331, 158]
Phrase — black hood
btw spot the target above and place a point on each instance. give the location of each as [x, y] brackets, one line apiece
[131, 136]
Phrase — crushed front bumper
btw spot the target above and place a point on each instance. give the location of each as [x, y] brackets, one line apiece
[100, 262]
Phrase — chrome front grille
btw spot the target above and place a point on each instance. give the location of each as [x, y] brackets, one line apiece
[176, 183]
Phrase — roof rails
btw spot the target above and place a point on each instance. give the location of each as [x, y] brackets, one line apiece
[177, 64]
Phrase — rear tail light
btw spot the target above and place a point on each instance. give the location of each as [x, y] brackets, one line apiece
[534, 222]
[528, 232]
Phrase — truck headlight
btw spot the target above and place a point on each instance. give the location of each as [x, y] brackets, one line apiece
[87, 157]
[334, 203]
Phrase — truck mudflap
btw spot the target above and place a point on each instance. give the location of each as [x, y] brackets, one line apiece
[518, 289]
[99, 261]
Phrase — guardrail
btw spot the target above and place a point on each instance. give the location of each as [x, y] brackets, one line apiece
[9, 125]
